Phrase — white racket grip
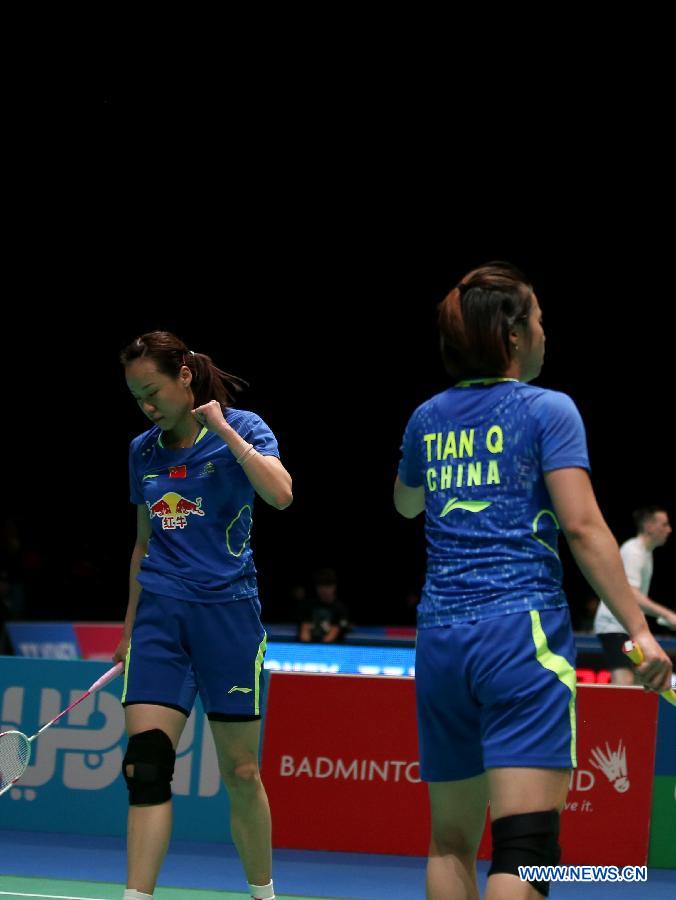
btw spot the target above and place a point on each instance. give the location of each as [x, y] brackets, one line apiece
[106, 677]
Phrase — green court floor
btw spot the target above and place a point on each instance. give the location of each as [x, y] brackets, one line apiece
[56, 889]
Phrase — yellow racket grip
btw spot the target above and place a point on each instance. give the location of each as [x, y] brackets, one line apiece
[635, 654]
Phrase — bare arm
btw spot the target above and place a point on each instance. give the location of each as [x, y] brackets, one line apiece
[331, 635]
[269, 478]
[140, 549]
[654, 609]
[408, 501]
[596, 553]
[267, 475]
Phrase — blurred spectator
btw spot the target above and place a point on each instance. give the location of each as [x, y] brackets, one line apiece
[322, 617]
[652, 531]
[297, 595]
[585, 619]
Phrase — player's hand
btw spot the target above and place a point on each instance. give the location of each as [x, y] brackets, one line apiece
[211, 415]
[120, 654]
[669, 620]
[655, 671]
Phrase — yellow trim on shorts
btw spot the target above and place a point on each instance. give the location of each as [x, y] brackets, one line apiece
[563, 670]
[258, 668]
[126, 671]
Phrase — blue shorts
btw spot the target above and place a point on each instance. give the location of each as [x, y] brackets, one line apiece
[179, 648]
[496, 692]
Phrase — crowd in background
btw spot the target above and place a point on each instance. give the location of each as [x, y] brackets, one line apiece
[77, 579]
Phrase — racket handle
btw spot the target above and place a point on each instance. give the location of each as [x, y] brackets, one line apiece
[633, 651]
[635, 654]
[104, 679]
[116, 670]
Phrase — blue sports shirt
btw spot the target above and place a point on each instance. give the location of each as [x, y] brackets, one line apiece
[480, 450]
[200, 504]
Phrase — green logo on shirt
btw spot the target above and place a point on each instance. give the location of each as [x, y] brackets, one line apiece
[473, 506]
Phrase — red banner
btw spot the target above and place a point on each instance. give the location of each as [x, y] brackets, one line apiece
[98, 640]
[340, 764]
[340, 768]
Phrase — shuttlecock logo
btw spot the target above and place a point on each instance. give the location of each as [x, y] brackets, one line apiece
[613, 764]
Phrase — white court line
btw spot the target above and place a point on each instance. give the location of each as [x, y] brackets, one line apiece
[47, 896]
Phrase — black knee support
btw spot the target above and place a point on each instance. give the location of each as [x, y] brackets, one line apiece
[151, 757]
[527, 839]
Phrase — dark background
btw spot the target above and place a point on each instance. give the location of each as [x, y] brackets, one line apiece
[306, 252]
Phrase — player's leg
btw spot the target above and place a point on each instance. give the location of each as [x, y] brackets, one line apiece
[230, 676]
[159, 692]
[237, 749]
[525, 807]
[154, 733]
[621, 668]
[529, 728]
[450, 760]
[622, 676]
[458, 811]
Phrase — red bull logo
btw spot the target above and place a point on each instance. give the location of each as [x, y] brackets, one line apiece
[173, 510]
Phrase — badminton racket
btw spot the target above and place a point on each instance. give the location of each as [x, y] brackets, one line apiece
[635, 654]
[15, 746]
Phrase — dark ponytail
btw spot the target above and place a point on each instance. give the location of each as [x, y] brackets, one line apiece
[169, 353]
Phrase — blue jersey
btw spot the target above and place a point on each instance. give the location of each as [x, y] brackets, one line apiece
[481, 452]
[200, 504]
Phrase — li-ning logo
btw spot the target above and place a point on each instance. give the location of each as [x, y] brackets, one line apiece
[240, 689]
[209, 469]
[473, 506]
[613, 764]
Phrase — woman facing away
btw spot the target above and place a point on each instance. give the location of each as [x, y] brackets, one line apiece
[499, 467]
[193, 617]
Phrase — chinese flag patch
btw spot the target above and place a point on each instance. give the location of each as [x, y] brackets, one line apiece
[178, 472]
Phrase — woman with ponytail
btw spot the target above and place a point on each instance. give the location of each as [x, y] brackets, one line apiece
[193, 615]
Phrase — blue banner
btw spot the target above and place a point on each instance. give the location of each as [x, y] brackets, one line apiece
[339, 659]
[74, 782]
[46, 640]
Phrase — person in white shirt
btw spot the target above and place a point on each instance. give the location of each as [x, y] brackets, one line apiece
[652, 523]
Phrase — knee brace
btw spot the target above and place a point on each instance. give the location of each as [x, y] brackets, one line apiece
[152, 757]
[527, 839]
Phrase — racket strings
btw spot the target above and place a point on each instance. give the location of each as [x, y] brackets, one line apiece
[15, 753]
